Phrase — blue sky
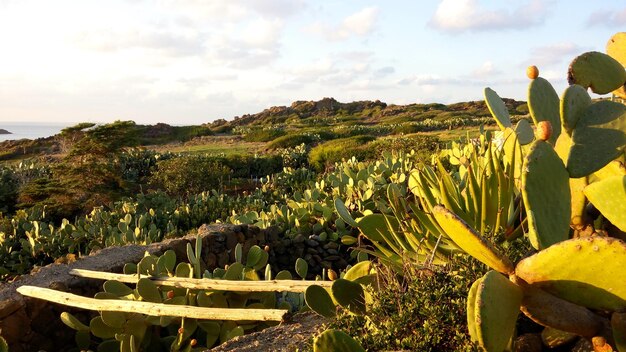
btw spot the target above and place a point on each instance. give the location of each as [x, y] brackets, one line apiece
[193, 61]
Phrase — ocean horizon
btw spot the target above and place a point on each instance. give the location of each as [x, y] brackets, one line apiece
[31, 130]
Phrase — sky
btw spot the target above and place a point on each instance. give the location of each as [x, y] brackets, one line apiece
[194, 61]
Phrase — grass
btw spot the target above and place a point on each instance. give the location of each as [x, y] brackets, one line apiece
[227, 145]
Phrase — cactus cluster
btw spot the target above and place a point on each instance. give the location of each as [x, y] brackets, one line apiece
[127, 331]
[571, 285]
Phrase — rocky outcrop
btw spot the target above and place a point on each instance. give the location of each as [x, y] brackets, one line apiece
[3, 131]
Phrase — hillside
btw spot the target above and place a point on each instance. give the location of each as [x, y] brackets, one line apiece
[308, 122]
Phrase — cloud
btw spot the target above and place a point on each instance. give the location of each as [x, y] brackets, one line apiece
[384, 71]
[607, 18]
[456, 16]
[485, 71]
[168, 43]
[551, 55]
[358, 24]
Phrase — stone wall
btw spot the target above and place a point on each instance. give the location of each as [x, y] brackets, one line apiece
[32, 325]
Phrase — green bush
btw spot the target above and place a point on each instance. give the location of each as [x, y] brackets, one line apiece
[8, 190]
[264, 135]
[424, 146]
[308, 138]
[424, 310]
[328, 153]
[189, 174]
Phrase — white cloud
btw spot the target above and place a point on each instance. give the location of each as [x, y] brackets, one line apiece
[358, 24]
[486, 70]
[551, 55]
[455, 16]
[384, 71]
[607, 18]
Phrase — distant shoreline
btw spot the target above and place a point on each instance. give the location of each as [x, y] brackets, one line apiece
[3, 131]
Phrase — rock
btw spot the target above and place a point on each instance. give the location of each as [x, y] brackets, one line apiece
[312, 243]
[331, 245]
[15, 327]
[3, 131]
[332, 251]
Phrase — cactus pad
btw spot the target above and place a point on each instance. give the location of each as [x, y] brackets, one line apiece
[618, 325]
[257, 257]
[148, 291]
[524, 132]
[344, 213]
[579, 270]
[470, 241]
[73, 322]
[358, 270]
[598, 71]
[616, 47]
[302, 267]
[496, 308]
[598, 138]
[545, 189]
[318, 299]
[497, 108]
[575, 100]
[117, 288]
[349, 295]
[471, 310]
[609, 196]
[336, 341]
[543, 103]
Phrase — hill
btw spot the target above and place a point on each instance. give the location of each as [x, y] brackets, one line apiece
[308, 122]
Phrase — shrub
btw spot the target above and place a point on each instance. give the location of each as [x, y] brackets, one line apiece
[189, 174]
[308, 138]
[9, 188]
[328, 153]
[264, 135]
[424, 310]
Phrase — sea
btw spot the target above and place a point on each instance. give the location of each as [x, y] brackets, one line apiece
[32, 130]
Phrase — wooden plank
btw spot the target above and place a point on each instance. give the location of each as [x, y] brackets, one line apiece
[209, 284]
[153, 309]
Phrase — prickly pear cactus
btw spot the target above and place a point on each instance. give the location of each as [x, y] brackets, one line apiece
[497, 108]
[543, 103]
[574, 101]
[616, 47]
[524, 132]
[470, 241]
[609, 196]
[349, 295]
[546, 193]
[618, 325]
[336, 341]
[318, 299]
[496, 307]
[599, 137]
[585, 271]
[598, 71]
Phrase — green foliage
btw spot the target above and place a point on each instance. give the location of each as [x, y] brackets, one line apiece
[264, 134]
[9, 188]
[163, 333]
[187, 175]
[328, 153]
[422, 310]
